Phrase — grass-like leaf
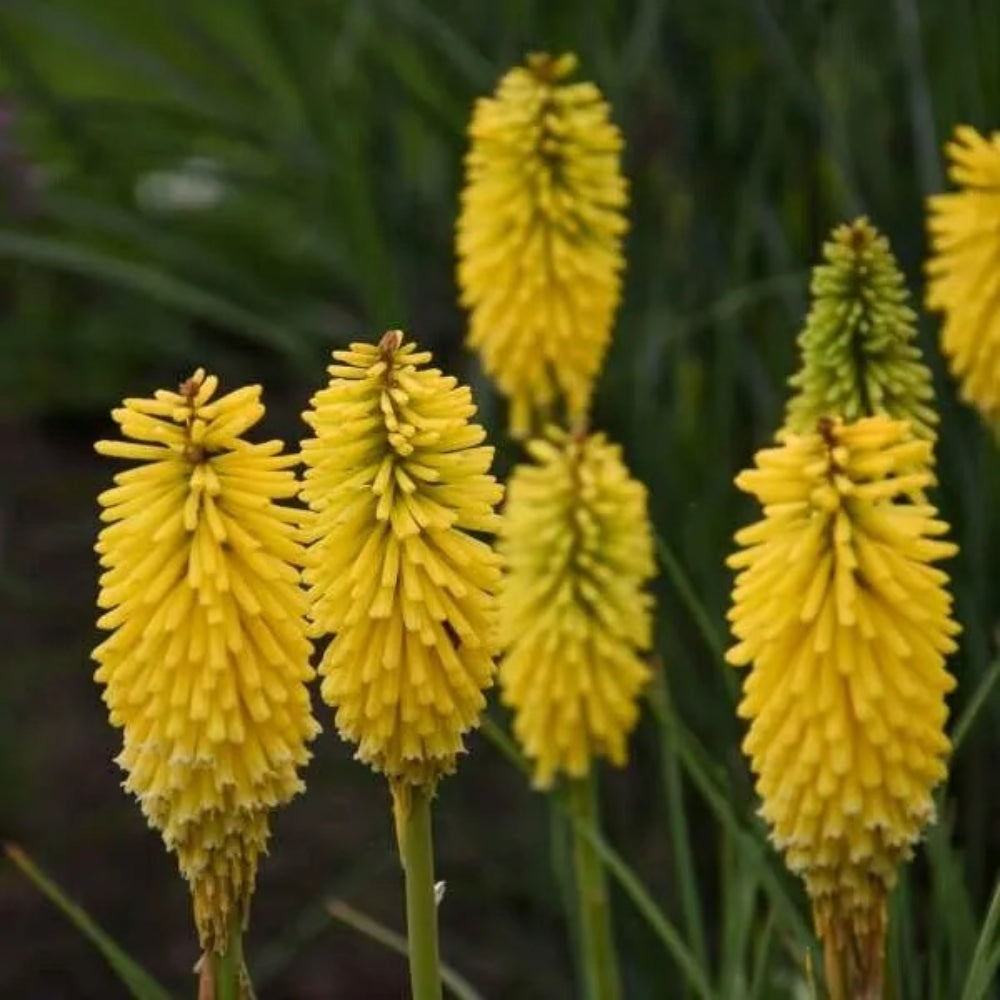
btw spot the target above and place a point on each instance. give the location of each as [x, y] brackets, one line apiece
[704, 776]
[139, 982]
[159, 286]
[694, 972]
[986, 958]
[974, 705]
[456, 984]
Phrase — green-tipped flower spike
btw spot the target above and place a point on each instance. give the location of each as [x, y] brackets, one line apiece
[859, 355]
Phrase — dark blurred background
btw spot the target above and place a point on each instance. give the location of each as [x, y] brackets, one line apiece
[246, 184]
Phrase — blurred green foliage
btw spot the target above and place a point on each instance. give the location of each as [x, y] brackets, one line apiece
[246, 184]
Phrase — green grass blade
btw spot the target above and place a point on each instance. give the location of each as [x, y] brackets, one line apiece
[905, 965]
[19, 65]
[974, 705]
[696, 608]
[703, 773]
[139, 982]
[561, 864]
[696, 760]
[185, 256]
[451, 45]
[492, 730]
[745, 841]
[954, 938]
[623, 875]
[640, 44]
[274, 957]
[679, 828]
[456, 984]
[986, 957]
[346, 145]
[800, 89]
[651, 913]
[142, 62]
[925, 141]
[740, 892]
[159, 286]
[736, 301]
[762, 952]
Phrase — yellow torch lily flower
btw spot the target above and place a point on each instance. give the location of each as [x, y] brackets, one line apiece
[573, 613]
[962, 271]
[206, 666]
[539, 237]
[845, 625]
[398, 479]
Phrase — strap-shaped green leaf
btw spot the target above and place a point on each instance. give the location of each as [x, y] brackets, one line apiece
[138, 981]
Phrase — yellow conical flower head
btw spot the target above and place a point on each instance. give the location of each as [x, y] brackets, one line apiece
[846, 626]
[573, 614]
[539, 237]
[398, 479]
[206, 666]
[963, 272]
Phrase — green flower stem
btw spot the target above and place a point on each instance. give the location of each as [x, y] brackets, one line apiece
[598, 959]
[228, 967]
[859, 350]
[417, 855]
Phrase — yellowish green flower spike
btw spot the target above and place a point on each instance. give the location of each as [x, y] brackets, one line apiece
[845, 625]
[859, 353]
[573, 613]
[206, 666]
[539, 237]
[963, 271]
[398, 479]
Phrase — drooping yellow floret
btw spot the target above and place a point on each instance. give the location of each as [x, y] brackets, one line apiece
[964, 268]
[573, 614]
[206, 666]
[398, 479]
[846, 626]
[539, 237]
